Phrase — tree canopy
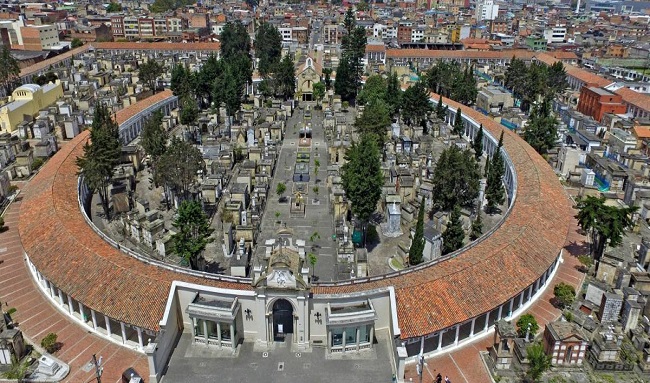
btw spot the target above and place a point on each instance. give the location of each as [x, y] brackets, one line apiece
[177, 168]
[181, 81]
[539, 362]
[362, 177]
[458, 127]
[350, 69]
[268, 48]
[101, 154]
[605, 224]
[454, 235]
[477, 143]
[286, 78]
[455, 179]
[374, 88]
[522, 326]
[113, 7]
[193, 233]
[417, 243]
[448, 78]
[393, 94]
[541, 131]
[149, 73]
[234, 41]
[374, 120]
[9, 69]
[415, 104]
[494, 192]
[535, 82]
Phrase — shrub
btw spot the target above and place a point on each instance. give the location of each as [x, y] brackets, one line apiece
[564, 294]
[49, 343]
[38, 162]
[522, 325]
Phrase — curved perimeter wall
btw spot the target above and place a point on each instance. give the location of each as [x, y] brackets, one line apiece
[439, 304]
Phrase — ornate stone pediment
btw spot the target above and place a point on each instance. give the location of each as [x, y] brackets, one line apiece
[282, 279]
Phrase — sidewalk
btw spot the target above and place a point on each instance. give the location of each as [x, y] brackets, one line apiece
[37, 317]
[464, 365]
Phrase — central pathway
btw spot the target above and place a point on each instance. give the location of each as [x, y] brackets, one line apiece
[36, 316]
[464, 365]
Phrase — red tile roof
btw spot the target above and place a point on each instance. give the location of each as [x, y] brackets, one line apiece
[124, 114]
[52, 61]
[497, 268]
[71, 255]
[159, 46]
[639, 100]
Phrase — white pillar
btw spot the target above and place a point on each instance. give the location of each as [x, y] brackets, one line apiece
[205, 331]
[512, 301]
[500, 312]
[232, 336]
[108, 325]
[521, 299]
[70, 310]
[219, 333]
[440, 339]
[193, 330]
[94, 316]
[60, 294]
[471, 331]
[123, 328]
[139, 330]
[487, 321]
[457, 333]
[530, 293]
[357, 338]
[81, 312]
[344, 335]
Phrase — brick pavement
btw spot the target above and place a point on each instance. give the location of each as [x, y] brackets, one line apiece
[464, 365]
[36, 316]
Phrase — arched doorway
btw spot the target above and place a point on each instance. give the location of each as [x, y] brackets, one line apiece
[282, 319]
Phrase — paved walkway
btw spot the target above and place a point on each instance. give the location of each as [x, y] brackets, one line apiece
[36, 316]
[465, 365]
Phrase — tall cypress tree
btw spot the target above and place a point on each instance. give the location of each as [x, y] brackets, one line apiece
[101, 154]
[494, 190]
[477, 227]
[459, 127]
[453, 237]
[440, 109]
[417, 245]
[477, 144]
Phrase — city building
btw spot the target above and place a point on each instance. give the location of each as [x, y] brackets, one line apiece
[565, 342]
[486, 10]
[596, 102]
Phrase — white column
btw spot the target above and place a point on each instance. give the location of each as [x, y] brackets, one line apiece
[344, 341]
[69, 304]
[193, 330]
[205, 331]
[487, 321]
[94, 316]
[512, 301]
[440, 339]
[500, 312]
[537, 285]
[521, 299]
[81, 312]
[108, 325]
[59, 293]
[123, 328]
[232, 336]
[457, 333]
[139, 330]
[219, 333]
[471, 331]
[530, 293]
[358, 338]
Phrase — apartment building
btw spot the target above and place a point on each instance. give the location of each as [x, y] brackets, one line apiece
[486, 10]
[132, 27]
[557, 34]
[39, 37]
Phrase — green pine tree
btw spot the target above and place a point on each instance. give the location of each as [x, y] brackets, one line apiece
[494, 191]
[477, 227]
[440, 109]
[453, 237]
[417, 244]
[477, 143]
[101, 154]
[458, 128]
[193, 233]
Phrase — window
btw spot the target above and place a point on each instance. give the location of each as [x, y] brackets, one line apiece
[198, 329]
[337, 337]
[225, 331]
[212, 330]
[350, 335]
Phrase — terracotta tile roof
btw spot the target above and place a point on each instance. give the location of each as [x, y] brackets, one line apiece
[375, 48]
[497, 268]
[639, 100]
[573, 71]
[426, 53]
[159, 46]
[642, 132]
[124, 114]
[52, 61]
[72, 256]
